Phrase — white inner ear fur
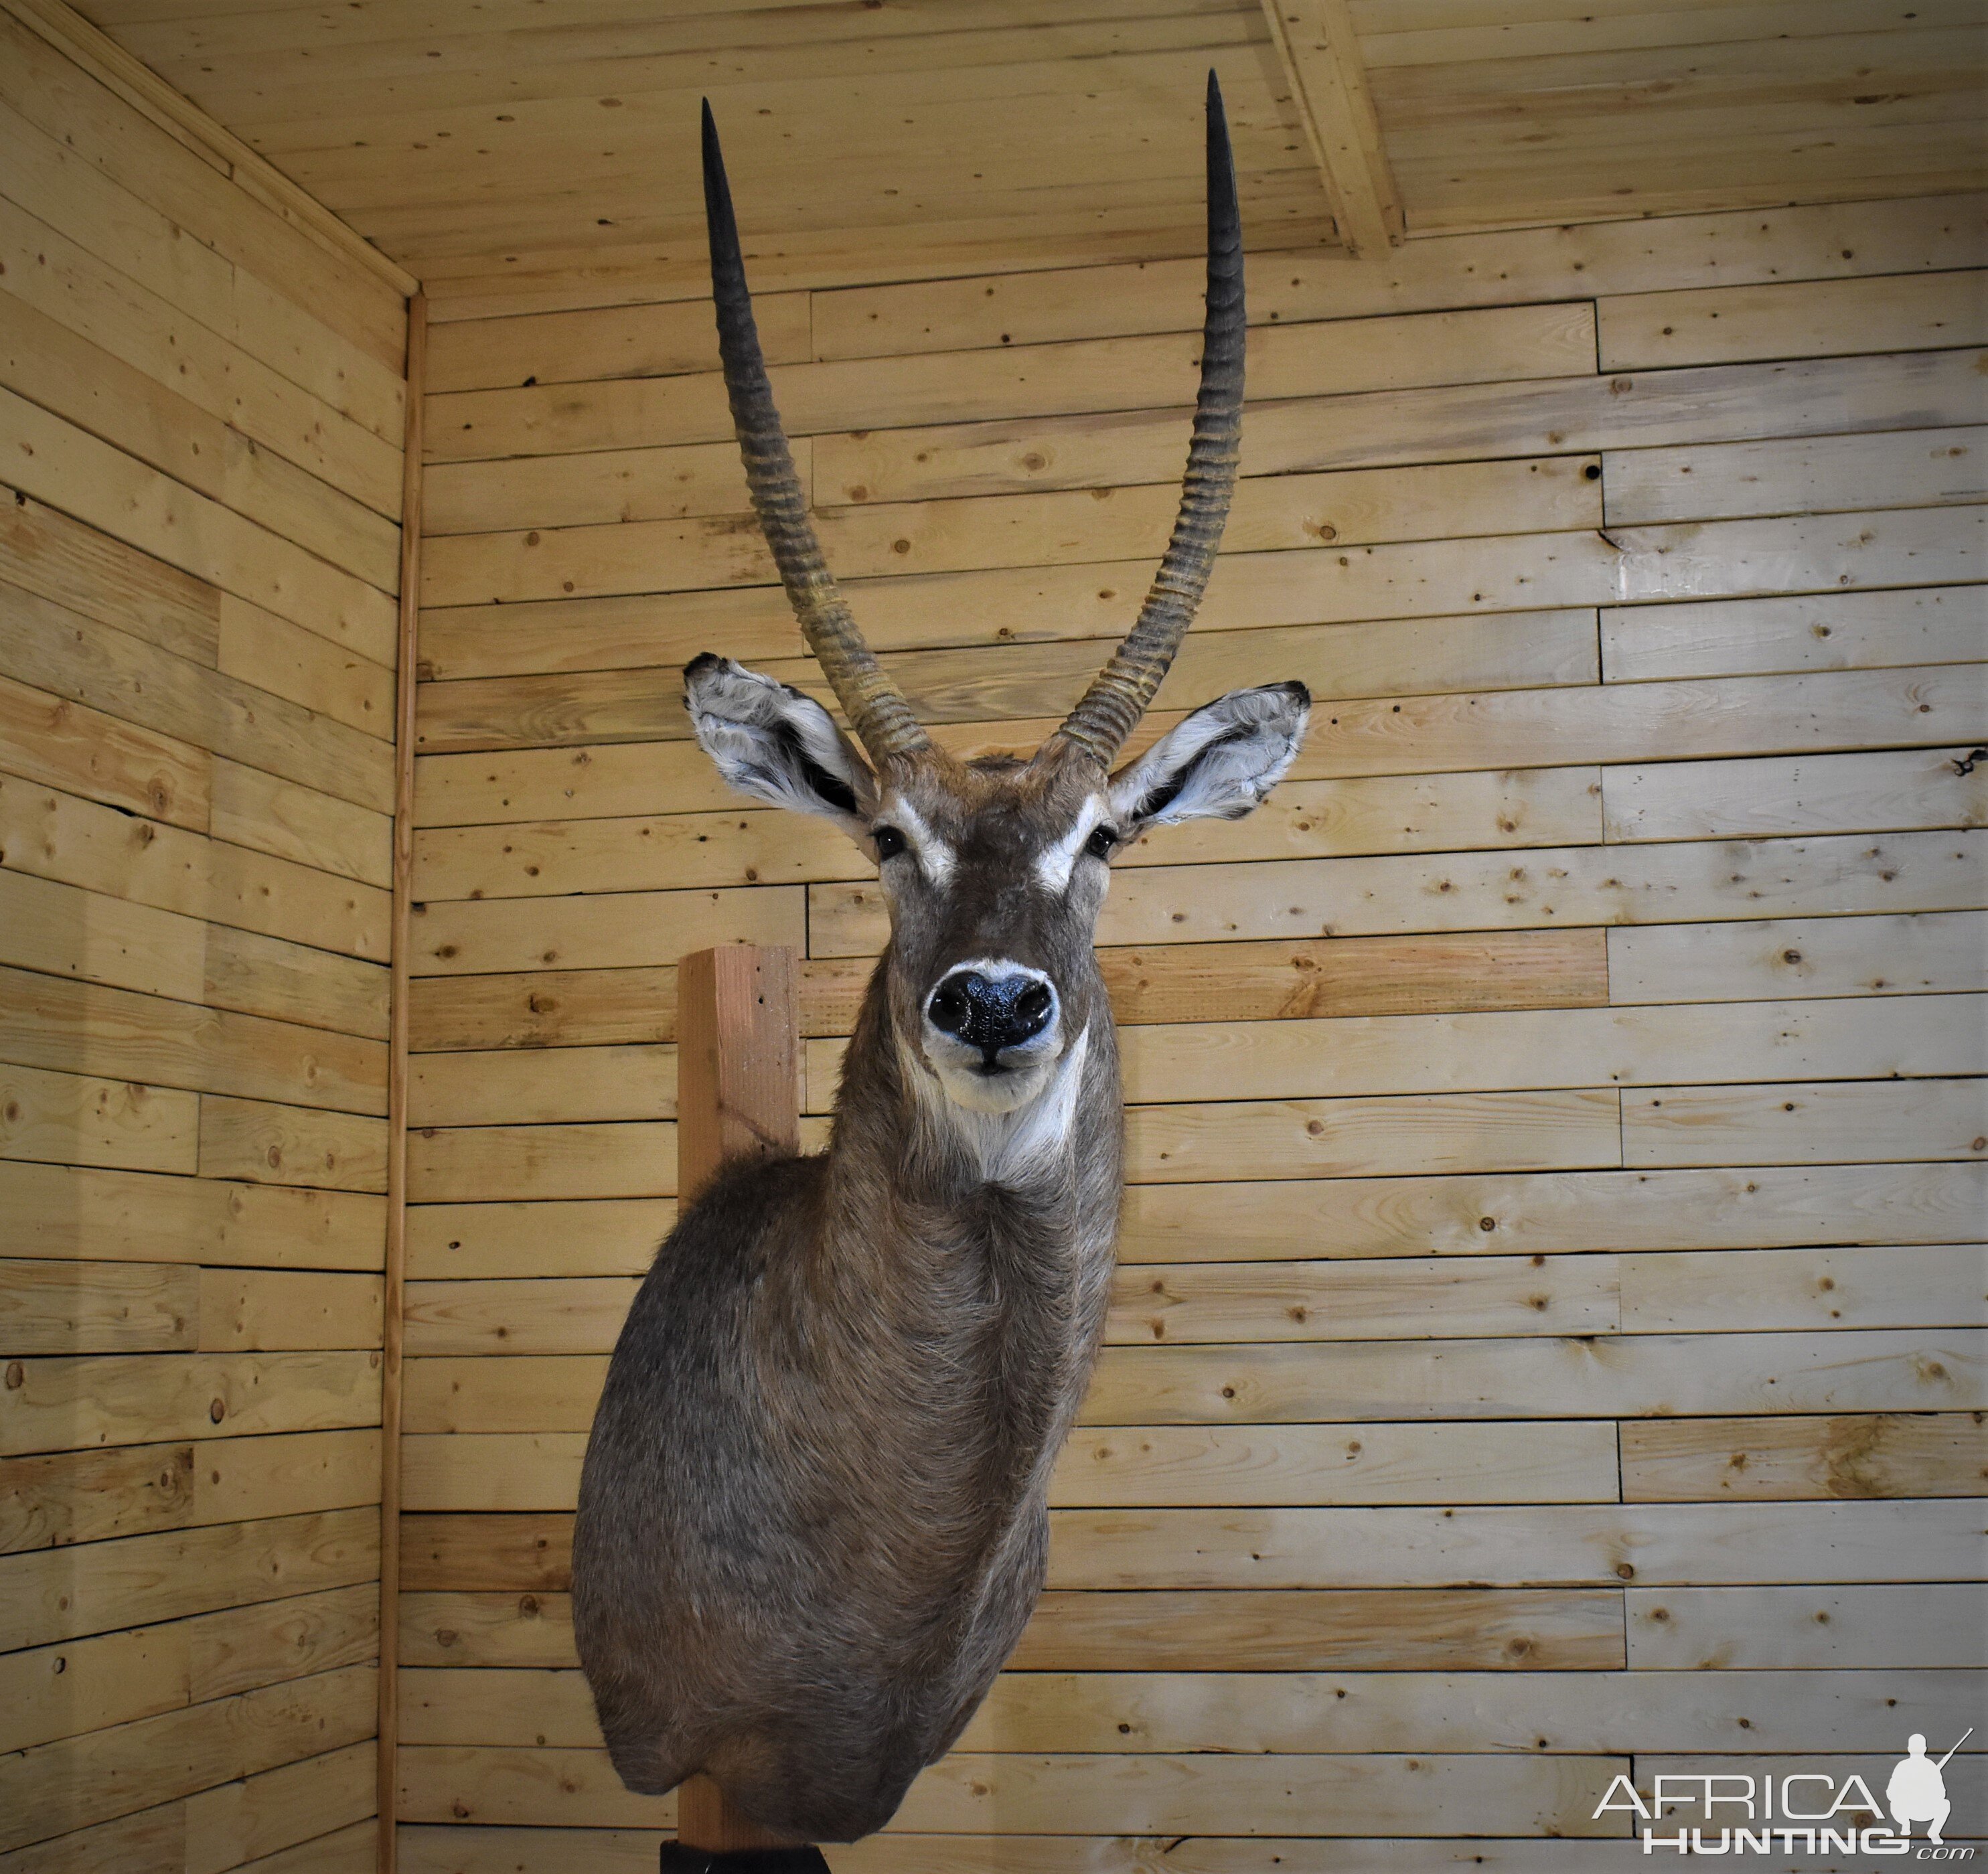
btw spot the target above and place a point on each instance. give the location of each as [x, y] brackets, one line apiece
[936, 859]
[1054, 867]
[1222, 760]
[750, 725]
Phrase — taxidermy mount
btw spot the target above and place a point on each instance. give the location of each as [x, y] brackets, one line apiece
[813, 1521]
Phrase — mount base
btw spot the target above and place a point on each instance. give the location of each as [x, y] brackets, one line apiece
[678, 1859]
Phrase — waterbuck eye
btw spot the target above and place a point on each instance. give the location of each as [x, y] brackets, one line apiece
[889, 841]
[1102, 839]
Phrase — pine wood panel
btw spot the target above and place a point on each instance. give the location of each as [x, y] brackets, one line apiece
[204, 407]
[1821, 631]
[1620, 257]
[1635, 1376]
[1492, 344]
[70, 1402]
[552, 858]
[118, 1678]
[1586, 885]
[59, 1594]
[1470, 1545]
[54, 649]
[52, 740]
[1166, 982]
[71, 1784]
[1842, 793]
[95, 846]
[1363, 507]
[1714, 1628]
[1352, 1361]
[1543, 1214]
[267, 1143]
[1356, 1712]
[1912, 468]
[87, 1028]
[1937, 1455]
[1699, 404]
[116, 1216]
[65, 1498]
[1799, 956]
[1812, 320]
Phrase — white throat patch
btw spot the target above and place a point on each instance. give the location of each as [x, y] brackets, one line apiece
[1020, 1146]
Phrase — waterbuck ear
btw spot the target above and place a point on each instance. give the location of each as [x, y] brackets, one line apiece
[772, 742]
[1218, 763]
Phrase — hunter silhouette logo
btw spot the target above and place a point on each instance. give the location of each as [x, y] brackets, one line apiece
[1806, 1812]
[1917, 1789]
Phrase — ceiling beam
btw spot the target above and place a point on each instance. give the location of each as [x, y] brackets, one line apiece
[1320, 52]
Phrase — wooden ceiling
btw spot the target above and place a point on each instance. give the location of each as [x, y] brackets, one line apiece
[539, 152]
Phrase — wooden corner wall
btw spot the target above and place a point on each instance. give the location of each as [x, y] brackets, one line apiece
[1541, 1351]
[201, 414]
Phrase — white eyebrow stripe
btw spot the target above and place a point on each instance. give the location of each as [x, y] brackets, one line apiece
[1054, 867]
[934, 856]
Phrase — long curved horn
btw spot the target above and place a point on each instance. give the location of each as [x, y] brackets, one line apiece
[1119, 695]
[875, 706]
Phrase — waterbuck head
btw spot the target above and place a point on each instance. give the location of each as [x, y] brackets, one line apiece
[994, 869]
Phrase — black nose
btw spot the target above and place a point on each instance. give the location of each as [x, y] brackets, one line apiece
[991, 1013]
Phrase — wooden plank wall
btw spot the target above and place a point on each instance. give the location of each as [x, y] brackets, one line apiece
[1544, 1347]
[201, 423]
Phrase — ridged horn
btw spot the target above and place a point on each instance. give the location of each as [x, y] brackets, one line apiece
[875, 706]
[1119, 695]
